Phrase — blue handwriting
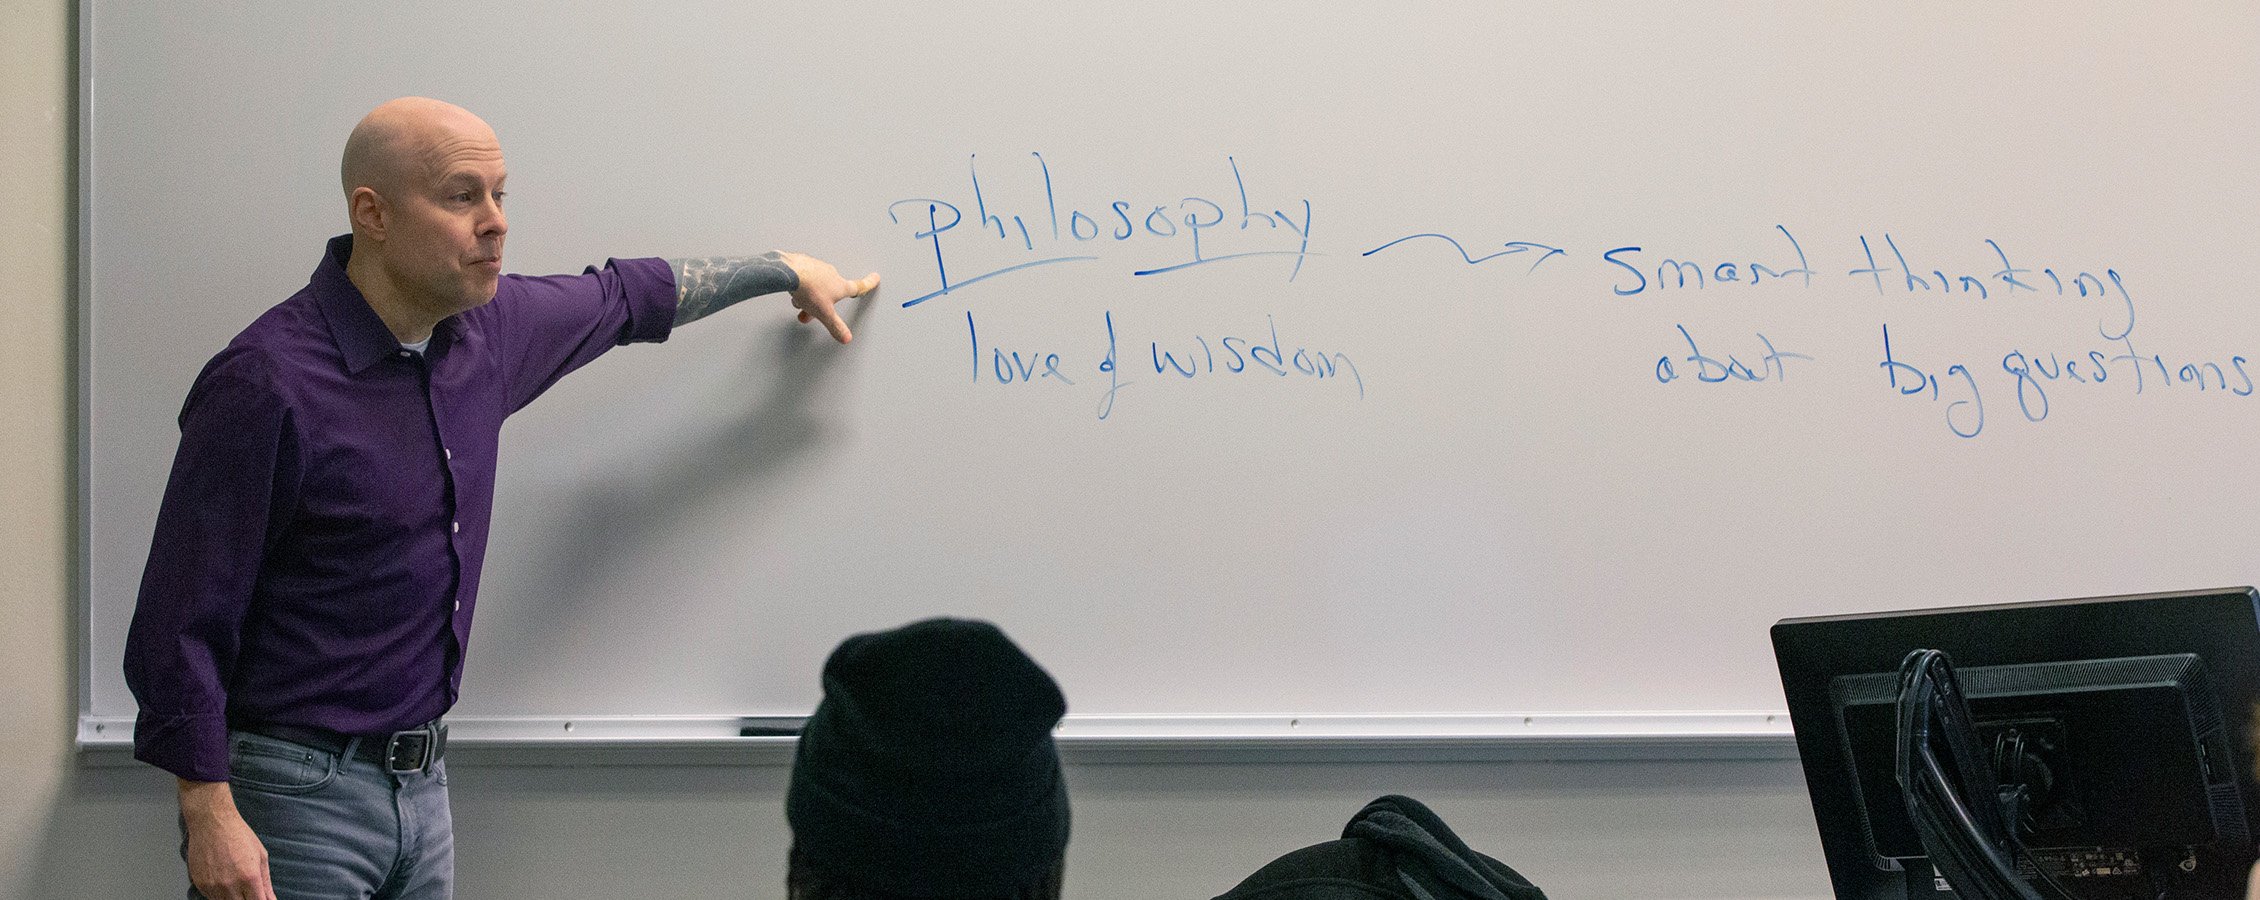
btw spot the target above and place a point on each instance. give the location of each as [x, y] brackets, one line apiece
[997, 229]
[1912, 279]
[1008, 368]
[1721, 273]
[1773, 366]
[2035, 371]
[1512, 247]
[1201, 356]
[1965, 416]
[1230, 355]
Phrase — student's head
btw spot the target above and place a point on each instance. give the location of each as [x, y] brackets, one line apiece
[1396, 848]
[928, 771]
[423, 187]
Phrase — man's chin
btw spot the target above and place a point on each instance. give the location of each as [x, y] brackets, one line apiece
[480, 293]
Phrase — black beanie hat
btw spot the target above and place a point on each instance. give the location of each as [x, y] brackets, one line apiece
[928, 770]
[1393, 849]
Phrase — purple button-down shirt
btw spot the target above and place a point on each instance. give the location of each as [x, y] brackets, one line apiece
[316, 558]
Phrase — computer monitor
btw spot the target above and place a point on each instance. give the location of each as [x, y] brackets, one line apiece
[2128, 718]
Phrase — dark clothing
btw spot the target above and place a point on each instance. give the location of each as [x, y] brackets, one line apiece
[929, 770]
[317, 554]
[1394, 848]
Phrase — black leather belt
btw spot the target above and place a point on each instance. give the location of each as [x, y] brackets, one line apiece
[400, 752]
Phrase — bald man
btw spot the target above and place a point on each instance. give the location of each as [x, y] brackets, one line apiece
[309, 591]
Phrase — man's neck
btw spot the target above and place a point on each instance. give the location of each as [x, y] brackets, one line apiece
[408, 322]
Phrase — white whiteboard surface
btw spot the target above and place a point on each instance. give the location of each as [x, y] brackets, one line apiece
[1538, 483]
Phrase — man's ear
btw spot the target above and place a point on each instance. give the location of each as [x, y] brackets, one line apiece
[368, 211]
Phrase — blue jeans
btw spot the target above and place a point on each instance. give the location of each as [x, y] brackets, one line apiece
[338, 827]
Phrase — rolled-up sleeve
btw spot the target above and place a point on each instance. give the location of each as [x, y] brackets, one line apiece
[236, 470]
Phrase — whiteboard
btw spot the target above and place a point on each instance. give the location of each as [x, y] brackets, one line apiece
[1407, 362]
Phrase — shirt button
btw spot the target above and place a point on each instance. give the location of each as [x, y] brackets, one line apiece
[404, 354]
[455, 527]
[449, 454]
[458, 606]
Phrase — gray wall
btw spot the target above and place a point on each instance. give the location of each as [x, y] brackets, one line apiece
[78, 828]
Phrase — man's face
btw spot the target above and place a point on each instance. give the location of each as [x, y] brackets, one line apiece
[443, 242]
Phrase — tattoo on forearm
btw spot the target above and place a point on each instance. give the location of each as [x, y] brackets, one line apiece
[707, 284]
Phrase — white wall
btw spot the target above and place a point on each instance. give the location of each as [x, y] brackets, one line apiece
[1615, 830]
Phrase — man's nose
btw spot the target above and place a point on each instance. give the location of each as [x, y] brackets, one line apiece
[497, 223]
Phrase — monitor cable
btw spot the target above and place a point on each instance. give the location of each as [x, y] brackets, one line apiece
[1960, 811]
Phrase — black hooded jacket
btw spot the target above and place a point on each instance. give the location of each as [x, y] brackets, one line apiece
[1394, 848]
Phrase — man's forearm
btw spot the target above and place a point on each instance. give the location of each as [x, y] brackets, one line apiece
[706, 284]
[201, 801]
[226, 860]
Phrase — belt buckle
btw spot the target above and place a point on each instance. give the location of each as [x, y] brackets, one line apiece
[415, 750]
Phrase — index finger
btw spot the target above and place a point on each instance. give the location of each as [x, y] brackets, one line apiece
[829, 314]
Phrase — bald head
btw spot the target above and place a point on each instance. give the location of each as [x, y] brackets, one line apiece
[406, 139]
[423, 189]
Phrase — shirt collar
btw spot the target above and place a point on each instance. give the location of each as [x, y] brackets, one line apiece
[361, 335]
